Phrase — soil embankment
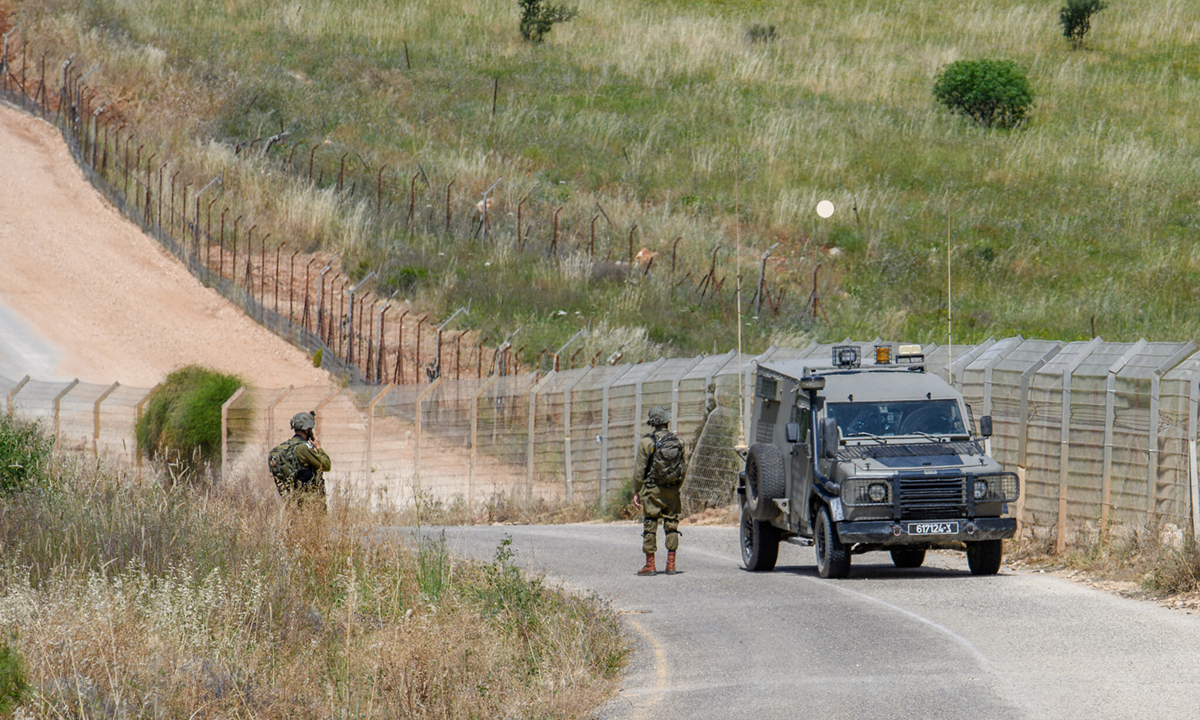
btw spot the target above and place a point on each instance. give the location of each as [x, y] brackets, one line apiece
[105, 297]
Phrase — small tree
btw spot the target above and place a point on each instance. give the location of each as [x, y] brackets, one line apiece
[994, 93]
[1076, 19]
[538, 18]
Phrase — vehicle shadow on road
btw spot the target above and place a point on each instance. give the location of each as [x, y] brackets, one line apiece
[878, 571]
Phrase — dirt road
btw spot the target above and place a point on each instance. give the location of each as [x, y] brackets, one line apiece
[85, 294]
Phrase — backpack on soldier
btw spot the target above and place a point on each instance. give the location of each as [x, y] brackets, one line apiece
[285, 465]
[665, 466]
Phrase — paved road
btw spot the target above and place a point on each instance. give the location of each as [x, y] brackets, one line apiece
[936, 642]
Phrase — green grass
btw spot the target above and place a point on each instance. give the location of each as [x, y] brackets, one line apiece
[666, 115]
[182, 419]
[24, 455]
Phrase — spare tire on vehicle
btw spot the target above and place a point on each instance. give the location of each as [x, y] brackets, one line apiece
[764, 481]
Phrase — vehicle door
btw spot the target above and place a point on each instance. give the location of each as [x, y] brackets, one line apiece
[800, 458]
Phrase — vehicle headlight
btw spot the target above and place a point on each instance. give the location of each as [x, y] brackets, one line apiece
[996, 488]
[981, 488]
[866, 491]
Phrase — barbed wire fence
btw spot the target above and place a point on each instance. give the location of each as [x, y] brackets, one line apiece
[302, 296]
[1101, 434]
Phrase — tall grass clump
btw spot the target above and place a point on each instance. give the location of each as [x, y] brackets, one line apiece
[177, 600]
[12, 678]
[182, 421]
[24, 455]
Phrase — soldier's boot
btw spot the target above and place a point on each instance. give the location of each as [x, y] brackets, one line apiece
[670, 562]
[648, 568]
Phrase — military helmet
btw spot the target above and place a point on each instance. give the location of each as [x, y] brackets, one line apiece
[659, 416]
[304, 421]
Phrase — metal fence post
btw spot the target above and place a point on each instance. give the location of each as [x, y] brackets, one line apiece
[225, 431]
[1023, 431]
[1064, 457]
[96, 418]
[638, 416]
[58, 404]
[604, 414]
[487, 384]
[531, 441]
[675, 391]
[12, 394]
[271, 414]
[1152, 485]
[567, 460]
[1110, 418]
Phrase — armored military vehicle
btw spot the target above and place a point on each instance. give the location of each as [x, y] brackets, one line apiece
[860, 454]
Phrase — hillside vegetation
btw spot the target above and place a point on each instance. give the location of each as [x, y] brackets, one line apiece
[688, 120]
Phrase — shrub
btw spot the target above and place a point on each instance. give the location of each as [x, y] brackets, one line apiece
[1076, 19]
[538, 18]
[759, 33]
[183, 416]
[994, 93]
[24, 453]
[12, 679]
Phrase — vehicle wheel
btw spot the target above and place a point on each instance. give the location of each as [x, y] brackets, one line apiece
[760, 543]
[764, 480]
[984, 557]
[908, 558]
[833, 558]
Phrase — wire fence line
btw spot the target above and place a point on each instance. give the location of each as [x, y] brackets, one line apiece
[1100, 433]
[302, 296]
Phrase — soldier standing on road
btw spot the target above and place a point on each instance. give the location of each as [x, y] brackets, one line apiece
[658, 476]
[299, 464]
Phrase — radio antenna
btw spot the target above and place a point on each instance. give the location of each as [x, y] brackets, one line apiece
[949, 299]
[737, 231]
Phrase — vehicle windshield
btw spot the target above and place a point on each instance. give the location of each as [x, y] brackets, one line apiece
[904, 417]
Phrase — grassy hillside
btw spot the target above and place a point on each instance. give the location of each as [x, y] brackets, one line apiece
[666, 115]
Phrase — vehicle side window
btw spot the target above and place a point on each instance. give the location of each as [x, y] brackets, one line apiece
[802, 416]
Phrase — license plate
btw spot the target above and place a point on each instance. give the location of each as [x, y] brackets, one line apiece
[933, 528]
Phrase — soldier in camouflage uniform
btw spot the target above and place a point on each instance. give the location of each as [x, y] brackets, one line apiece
[299, 464]
[656, 497]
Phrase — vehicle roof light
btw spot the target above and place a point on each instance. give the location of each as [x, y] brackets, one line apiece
[846, 356]
[910, 355]
[883, 355]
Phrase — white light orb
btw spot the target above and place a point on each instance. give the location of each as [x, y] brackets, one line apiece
[825, 208]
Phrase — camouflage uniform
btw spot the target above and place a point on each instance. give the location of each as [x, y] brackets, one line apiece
[309, 464]
[658, 502]
[315, 459]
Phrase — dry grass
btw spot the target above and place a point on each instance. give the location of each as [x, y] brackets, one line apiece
[133, 600]
[1160, 558]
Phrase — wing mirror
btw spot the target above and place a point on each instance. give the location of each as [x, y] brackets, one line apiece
[830, 436]
[792, 431]
[985, 426]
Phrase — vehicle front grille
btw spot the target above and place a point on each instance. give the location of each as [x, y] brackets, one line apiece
[933, 498]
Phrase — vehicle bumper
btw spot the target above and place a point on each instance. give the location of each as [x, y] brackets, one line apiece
[889, 532]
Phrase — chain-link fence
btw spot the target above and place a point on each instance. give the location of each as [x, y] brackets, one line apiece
[1099, 432]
